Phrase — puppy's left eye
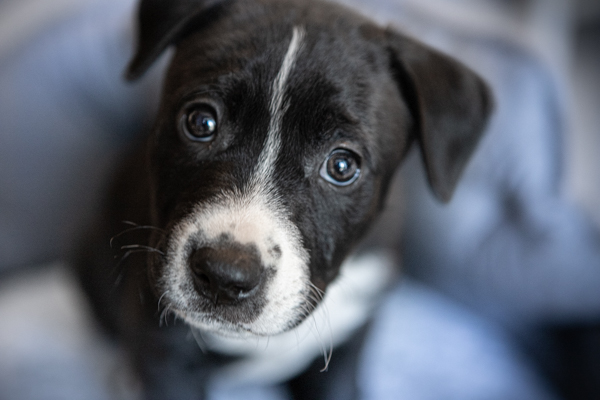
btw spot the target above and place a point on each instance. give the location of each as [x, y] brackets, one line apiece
[341, 168]
[200, 124]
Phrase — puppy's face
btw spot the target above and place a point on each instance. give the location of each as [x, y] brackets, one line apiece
[280, 128]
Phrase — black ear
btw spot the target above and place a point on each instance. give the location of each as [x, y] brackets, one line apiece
[160, 24]
[450, 103]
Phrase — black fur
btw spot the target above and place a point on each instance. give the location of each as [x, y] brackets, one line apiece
[356, 85]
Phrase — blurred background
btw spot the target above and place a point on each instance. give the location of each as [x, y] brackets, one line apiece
[501, 298]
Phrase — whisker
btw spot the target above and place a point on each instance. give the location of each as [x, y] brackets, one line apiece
[164, 314]
[319, 338]
[142, 247]
[318, 292]
[315, 298]
[134, 250]
[297, 337]
[161, 297]
[165, 311]
[130, 252]
[135, 227]
[142, 226]
[306, 311]
[197, 334]
[328, 322]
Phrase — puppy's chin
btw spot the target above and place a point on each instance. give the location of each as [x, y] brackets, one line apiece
[215, 325]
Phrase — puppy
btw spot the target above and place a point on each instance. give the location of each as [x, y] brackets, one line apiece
[280, 128]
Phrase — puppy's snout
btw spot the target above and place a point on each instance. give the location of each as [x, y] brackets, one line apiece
[226, 276]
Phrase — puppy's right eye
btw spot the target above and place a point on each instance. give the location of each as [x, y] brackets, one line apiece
[200, 123]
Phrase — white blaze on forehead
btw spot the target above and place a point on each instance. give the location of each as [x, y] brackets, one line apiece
[277, 108]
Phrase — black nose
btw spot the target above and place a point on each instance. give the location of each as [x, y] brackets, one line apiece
[226, 275]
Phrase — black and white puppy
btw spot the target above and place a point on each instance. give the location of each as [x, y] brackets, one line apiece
[281, 126]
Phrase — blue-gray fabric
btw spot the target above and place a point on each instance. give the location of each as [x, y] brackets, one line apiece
[64, 113]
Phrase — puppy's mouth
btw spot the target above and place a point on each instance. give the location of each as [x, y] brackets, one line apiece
[236, 271]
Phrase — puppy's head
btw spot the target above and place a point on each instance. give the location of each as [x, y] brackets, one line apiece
[281, 125]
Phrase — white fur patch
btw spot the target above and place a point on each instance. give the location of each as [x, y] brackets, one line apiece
[249, 221]
[264, 169]
[255, 216]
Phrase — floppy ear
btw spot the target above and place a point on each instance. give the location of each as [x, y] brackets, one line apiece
[160, 24]
[450, 105]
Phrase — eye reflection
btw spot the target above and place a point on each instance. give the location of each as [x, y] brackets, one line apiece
[200, 123]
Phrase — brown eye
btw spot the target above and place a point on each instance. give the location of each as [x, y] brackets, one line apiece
[341, 168]
[201, 123]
